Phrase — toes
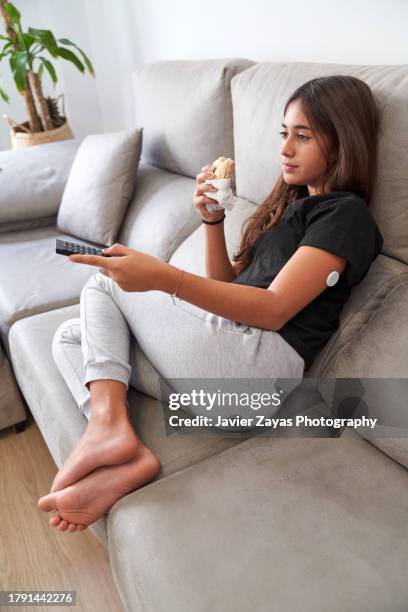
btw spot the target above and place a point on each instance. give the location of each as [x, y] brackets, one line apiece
[55, 520]
[63, 526]
[48, 502]
[82, 527]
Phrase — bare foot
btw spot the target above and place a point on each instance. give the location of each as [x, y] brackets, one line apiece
[84, 502]
[106, 441]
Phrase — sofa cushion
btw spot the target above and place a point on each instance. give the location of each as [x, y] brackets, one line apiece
[374, 347]
[32, 180]
[345, 353]
[185, 108]
[190, 255]
[260, 93]
[383, 399]
[33, 278]
[306, 524]
[161, 214]
[100, 185]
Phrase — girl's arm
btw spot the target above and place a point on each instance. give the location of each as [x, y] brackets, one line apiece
[217, 262]
[249, 305]
[299, 282]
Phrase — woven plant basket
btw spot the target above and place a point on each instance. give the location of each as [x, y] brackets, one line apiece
[22, 137]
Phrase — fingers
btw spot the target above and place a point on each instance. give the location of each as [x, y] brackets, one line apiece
[204, 187]
[208, 168]
[205, 175]
[200, 201]
[118, 249]
[91, 260]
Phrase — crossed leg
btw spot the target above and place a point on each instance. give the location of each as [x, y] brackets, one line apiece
[181, 342]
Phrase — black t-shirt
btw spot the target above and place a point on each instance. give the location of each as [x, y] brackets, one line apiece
[339, 222]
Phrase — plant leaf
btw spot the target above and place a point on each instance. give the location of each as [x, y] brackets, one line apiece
[4, 96]
[13, 12]
[47, 39]
[50, 68]
[6, 50]
[86, 59]
[19, 64]
[28, 40]
[71, 57]
[3, 93]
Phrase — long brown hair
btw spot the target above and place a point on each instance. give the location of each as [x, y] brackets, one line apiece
[343, 111]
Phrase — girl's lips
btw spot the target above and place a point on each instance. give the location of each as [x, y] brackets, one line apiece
[288, 168]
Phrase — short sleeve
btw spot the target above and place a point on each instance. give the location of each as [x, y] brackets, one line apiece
[345, 227]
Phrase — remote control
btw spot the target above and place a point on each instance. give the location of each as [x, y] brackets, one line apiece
[63, 247]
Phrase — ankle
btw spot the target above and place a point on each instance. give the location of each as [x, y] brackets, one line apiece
[108, 414]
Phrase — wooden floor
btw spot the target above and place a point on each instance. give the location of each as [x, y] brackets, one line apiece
[33, 555]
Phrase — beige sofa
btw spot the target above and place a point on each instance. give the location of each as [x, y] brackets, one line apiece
[310, 522]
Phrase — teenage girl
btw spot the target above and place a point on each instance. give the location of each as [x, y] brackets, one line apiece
[265, 314]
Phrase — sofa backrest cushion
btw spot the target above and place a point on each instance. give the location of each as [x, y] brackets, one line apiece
[100, 185]
[190, 255]
[161, 214]
[259, 95]
[186, 111]
[32, 180]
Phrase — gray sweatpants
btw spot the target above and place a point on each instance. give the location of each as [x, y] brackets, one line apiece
[140, 338]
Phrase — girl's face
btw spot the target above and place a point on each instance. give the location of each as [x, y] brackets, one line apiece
[302, 148]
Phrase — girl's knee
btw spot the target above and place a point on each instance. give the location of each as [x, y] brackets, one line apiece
[68, 332]
[97, 281]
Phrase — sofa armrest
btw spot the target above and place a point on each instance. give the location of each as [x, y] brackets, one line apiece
[32, 180]
[265, 525]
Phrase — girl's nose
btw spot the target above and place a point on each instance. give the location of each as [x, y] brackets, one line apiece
[287, 150]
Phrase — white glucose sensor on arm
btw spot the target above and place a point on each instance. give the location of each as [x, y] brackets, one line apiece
[332, 278]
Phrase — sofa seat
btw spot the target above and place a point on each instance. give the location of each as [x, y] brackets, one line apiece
[33, 278]
[305, 525]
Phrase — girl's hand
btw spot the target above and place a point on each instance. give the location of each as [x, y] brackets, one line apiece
[131, 270]
[200, 200]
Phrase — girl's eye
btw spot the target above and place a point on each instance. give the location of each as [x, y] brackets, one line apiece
[301, 136]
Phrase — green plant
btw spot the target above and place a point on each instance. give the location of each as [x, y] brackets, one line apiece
[25, 51]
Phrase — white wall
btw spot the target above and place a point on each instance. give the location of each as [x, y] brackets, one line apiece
[120, 35]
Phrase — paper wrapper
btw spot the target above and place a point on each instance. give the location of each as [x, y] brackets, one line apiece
[224, 196]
